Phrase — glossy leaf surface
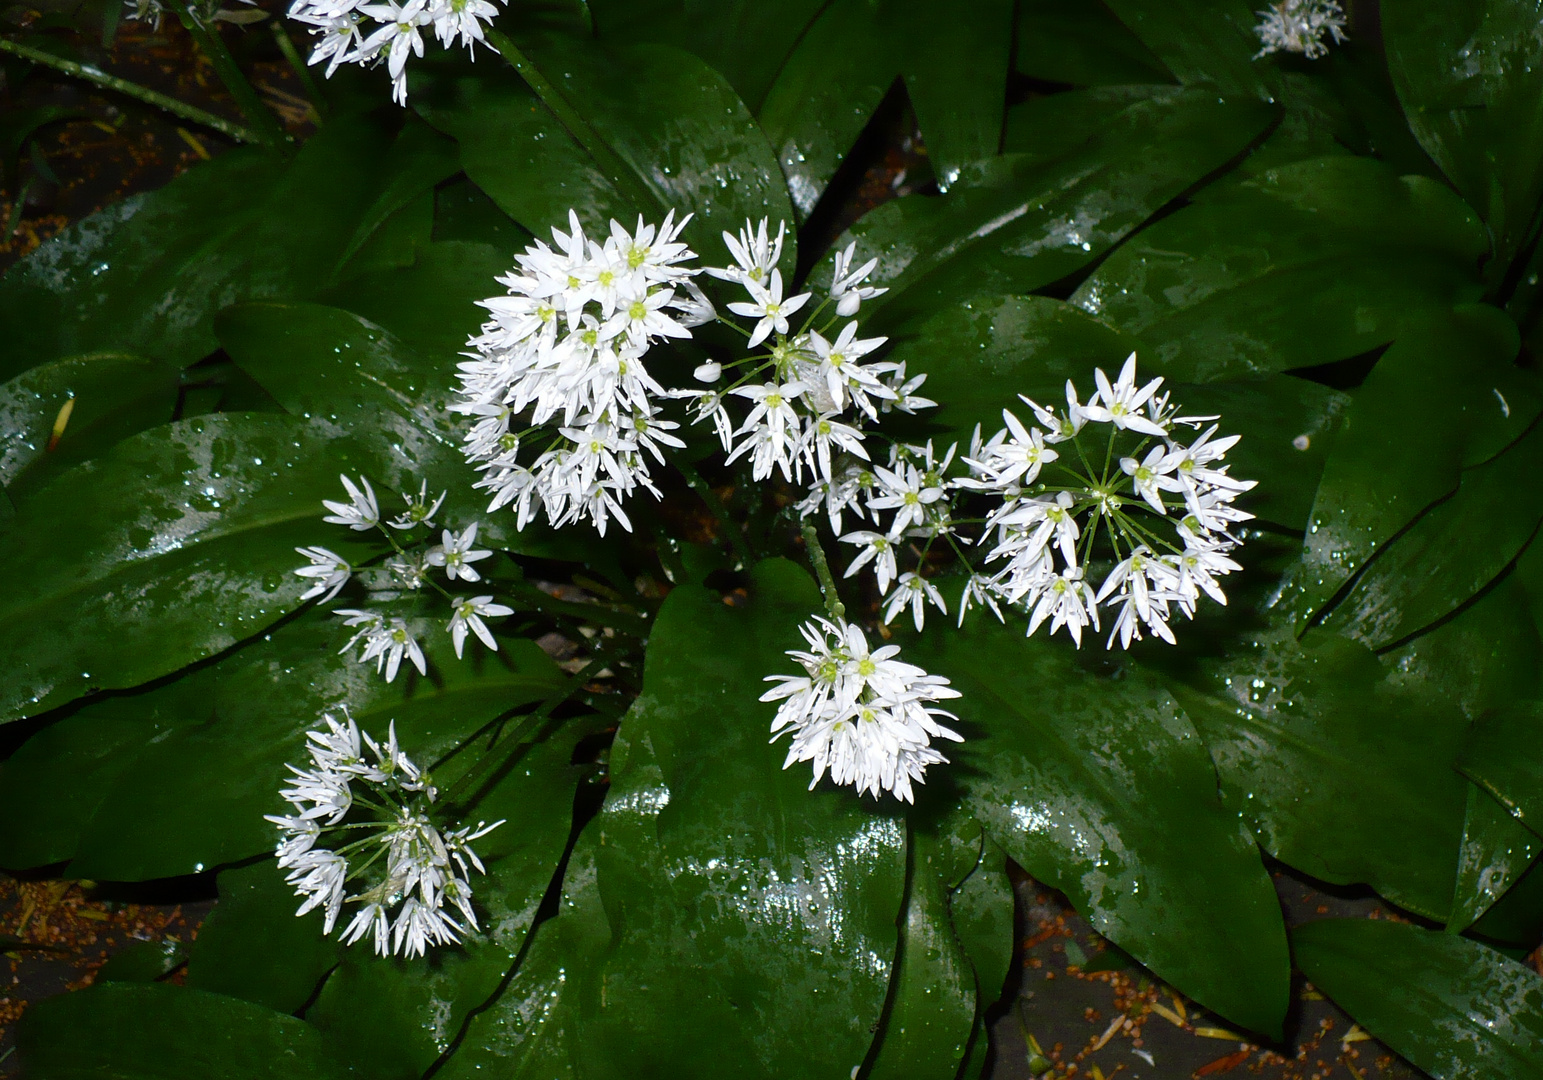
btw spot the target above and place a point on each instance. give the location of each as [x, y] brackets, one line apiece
[51, 786]
[1336, 772]
[1501, 756]
[1101, 788]
[1497, 850]
[753, 920]
[955, 66]
[148, 274]
[1416, 581]
[1083, 44]
[824, 96]
[1470, 75]
[171, 547]
[1451, 1006]
[1201, 41]
[157, 1031]
[162, 819]
[253, 946]
[927, 1030]
[1218, 289]
[1011, 225]
[114, 396]
[1453, 381]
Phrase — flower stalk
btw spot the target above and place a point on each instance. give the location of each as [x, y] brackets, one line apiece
[264, 125]
[165, 102]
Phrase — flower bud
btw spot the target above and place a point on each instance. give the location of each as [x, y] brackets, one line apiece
[709, 372]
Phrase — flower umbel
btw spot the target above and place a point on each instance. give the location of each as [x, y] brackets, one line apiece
[865, 716]
[1299, 26]
[361, 832]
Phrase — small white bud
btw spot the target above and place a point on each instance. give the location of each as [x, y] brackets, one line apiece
[709, 372]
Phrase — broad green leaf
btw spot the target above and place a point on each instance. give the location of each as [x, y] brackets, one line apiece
[164, 1032]
[675, 124]
[354, 377]
[1201, 41]
[1051, 127]
[1470, 75]
[955, 62]
[114, 395]
[418, 159]
[1288, 426]
[1434, 567]
[171, 547]
[1219, 289]
[463, 213]
[253, 946]
[51, 786]
[825, 95]
[1497, 850]
[1100, 787]
[979, 355]
[148, 274]
[531, 1031]
[1452, 1007]
[1516, 919]
[396, 240]
[1453, 381]
[430, 306]
[753, 919]
[1336, 772]
[1011, 225]
[981, 910]
[163, 818]
[517, 152]
[931, 1015]
[745, 40]
[1501, 755]
[393, 1018]
[1081, 43]
[143, 962]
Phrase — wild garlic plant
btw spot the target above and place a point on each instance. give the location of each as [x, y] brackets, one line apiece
[1118, 504]
[362, 832]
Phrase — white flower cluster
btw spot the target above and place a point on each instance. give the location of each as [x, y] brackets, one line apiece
[388, 640]
[565, 348]
[1299, 26]
[1041, 536]
[865, 716]
[810, 391]
[407, 873]
[356, 32]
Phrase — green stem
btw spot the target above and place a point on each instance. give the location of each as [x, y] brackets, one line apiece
[833, 602]
[719, 511]
[98, 77]
[609, 161]
[298, 65]
[264, 124]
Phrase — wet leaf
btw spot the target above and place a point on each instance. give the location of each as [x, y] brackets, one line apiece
[1497, 850]
[110, 396]
[163, 819]
[1469, 75]
[1220, 289]
[157, 1031]
[1011, 225]
[1081, 44]
[171, 547]
[1451, 1006]
[1098, 785]
[1453, 381]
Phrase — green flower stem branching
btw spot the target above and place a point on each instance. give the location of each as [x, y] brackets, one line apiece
[610, 162]
[833, 602]
[97, 77]
[265, 126]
